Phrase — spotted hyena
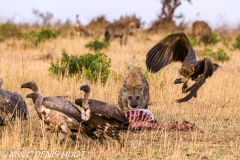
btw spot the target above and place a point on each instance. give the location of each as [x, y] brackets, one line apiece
[134, 92]
[201, 32]
[121, 29]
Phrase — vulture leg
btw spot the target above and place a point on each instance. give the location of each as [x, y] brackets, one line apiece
[66, 130]
[101, 137]
[184, 86]
[2, 121]
[114, 133]
[195, 96]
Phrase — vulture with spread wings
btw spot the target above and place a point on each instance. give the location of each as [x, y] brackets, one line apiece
[176, 47]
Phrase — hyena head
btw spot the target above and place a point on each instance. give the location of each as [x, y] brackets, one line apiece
[134, 22]
[133, 95]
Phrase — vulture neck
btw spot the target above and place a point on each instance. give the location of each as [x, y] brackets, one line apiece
[191, 57]
[1, 82]
[85, 101]
[38, 101]
[77, 21]
[35, 88]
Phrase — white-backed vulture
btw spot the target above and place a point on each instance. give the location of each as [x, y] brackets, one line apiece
[102, 116]
[58, 112]
[11, 103]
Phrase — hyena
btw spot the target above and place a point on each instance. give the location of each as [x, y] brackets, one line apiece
[81, 30]
[201, 32]
[121, 29]
[134, 92]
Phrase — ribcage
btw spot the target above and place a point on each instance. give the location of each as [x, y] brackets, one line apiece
[144, 119]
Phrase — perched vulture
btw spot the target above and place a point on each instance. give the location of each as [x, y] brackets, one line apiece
[102, 116]
[176, 47]
[11, 103]
[59, 113]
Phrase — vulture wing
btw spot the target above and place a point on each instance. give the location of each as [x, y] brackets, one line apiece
[13, 103]
[173, 48]
[107, 110]
[63, 105]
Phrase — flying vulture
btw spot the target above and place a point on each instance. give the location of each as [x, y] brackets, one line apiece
[176, 47]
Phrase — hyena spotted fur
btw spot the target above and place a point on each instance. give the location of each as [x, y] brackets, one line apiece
[81, 30]
[134, 92]
[201, 32]
[121, 29]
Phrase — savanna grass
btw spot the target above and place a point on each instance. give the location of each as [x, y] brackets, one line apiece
[215, 110]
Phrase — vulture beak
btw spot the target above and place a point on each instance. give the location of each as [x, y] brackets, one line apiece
[24, 85]
[85, 88]
[29, 96]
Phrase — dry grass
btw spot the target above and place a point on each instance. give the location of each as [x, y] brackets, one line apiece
[215, 110]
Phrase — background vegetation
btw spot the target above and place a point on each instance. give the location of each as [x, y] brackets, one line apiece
[215, 110]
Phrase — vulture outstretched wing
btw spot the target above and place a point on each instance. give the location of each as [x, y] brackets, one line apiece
[175, 47]
[208, 69]
[107, 110]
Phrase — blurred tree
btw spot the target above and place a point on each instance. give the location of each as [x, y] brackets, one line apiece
[46, 18]
[168, 9]
[165, 20]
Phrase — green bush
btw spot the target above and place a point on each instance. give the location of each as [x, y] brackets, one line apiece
[9, 30]
[219, 55]
[92, 65]
[41, 36]
[237, 44]
[214, 38]
[192, 41]
[95, 44]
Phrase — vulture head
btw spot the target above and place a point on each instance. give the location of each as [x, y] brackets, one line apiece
[31, 85]
[33, 95]
[85, 88]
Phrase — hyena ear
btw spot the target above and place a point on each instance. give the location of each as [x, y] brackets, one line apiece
[125, 87]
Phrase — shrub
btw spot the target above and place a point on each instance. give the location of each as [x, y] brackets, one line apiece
[192, 41]
[237, 44]
[45, 34]
[219, 55]
[92, 65]
[95, 44]
[214, 38]
[9, 30]
[41, 36]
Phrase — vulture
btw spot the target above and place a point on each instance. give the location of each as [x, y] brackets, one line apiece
[59, 113]
[11, 103]
[176, 47]
[107, 118]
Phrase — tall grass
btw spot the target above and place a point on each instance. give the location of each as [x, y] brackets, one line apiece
[215, 110]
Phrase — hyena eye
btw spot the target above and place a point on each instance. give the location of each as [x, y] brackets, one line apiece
[129, 97]
[137, 97]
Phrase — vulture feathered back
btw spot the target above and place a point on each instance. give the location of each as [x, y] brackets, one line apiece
[176, 47]
[102, 116]
[58, 112]
[12, 103]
